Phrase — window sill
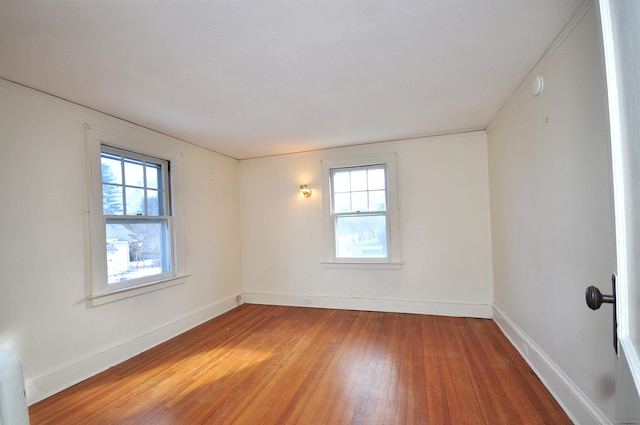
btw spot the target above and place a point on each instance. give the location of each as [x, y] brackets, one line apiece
[102, 298]
[362, 265]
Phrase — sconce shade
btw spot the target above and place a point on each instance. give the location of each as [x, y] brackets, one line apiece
[305, 190]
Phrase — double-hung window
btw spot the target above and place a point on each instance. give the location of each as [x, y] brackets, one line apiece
[134, 228]
[137, 213]
[362, 220]
[360, 211]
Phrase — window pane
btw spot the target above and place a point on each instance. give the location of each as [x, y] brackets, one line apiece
[112, 200]
[359, 201]
[376, 179]
[137, 250]
[133, 172]
[135, 201]
[361, 236]
[153, 203]
[342, 202]
[152, 176]
[359, 180]
[377, 200]
[111, 170]
[341, 182]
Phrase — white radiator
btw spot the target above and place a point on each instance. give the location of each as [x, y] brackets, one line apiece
[13, 401]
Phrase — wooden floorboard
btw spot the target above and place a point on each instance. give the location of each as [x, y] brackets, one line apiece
[286, 365]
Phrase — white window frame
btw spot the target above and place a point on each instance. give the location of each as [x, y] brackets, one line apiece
[393, 259]
[98, 289]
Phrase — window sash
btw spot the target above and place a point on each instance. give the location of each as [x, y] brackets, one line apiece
[143, 259]
[122, 188]
[361, 236]
[359, 195]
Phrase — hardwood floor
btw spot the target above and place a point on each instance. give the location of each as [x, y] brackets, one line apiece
[285, 365]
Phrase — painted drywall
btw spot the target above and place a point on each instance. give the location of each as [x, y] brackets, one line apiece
[552, 222]
[44, 315]
[444, 231]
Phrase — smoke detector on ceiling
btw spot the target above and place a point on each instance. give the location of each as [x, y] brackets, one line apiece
[537, 84]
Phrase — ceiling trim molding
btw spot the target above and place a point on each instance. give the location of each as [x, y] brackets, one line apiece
[12, 85]
[408, 139]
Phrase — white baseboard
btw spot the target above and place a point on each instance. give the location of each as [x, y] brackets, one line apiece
[439, 308]
[575, 403]
[64, 377]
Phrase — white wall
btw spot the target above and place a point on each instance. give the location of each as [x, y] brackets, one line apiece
[444, 222]
[552, 225]
[44, 316]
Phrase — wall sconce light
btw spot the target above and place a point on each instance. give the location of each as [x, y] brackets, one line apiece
[306, 191]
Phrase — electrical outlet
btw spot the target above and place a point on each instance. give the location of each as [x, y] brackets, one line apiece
[307, 302]
[239, 299]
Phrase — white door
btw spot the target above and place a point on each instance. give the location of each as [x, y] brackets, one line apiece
[621, 34]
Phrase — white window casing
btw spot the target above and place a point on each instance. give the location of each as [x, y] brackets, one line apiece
[99, 290]
[332, 259]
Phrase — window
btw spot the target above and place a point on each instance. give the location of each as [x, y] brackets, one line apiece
[362, 219]
[359, 201]
[137, 214]
[133, 220]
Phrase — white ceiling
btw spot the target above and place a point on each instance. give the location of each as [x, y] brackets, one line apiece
[250, 78]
